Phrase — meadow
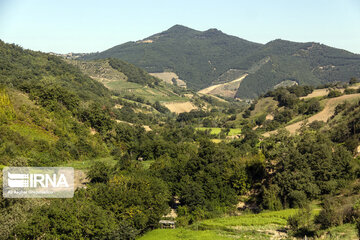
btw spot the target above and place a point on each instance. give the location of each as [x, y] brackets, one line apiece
[216, 130]
[265, 225]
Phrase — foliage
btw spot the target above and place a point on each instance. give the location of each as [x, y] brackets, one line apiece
[138, 199]
[186, 52]
[68, 219]
[29, 71]
[204, 58]
[134, 74]
[334, 93]
[301, 223]
[99, 172]
[305, 167]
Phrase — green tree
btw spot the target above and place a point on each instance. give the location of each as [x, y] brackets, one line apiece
[68, 219]
[99, 172]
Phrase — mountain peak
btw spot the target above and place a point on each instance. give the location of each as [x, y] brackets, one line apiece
[179, 28]
[213, 30]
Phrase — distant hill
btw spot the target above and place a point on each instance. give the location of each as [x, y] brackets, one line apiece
[205, 58]
[32, 71]
[197, 57]
[304, 63]
[129, 81]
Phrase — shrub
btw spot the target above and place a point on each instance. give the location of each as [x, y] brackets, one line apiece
[260, 119]
[331, 215]
[350, 91]
[99, 172]
[270, 198]
[297, 199]
[301, 223]
[334, 93]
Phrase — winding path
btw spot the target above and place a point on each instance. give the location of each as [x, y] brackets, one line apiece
[324, 115]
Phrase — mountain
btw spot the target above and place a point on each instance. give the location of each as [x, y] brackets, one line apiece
[302, 63]
[197, 57]
[215, 161]
[203, 58]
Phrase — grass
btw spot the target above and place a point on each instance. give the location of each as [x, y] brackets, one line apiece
[123, 85]
[343, 232]
[32, 132]
[147, 164]
[233, 131]
[264, 225]
[182, 233]
[264, 105]
[160, 93]
[261, 219]
[246, 226]
[81, 165]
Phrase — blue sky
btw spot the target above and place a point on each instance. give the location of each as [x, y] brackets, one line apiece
[87, 26]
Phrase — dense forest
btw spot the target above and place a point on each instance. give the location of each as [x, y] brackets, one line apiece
[51, 114]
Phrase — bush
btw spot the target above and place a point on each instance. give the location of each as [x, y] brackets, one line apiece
[283, 116]
[334, 93]
[301, 223]
[260, 119]
[313, 106]
[331, 215]
[270, 198]
[353, 80]
[350, 91]
[68, 219]
[99, 173]
[298, 199]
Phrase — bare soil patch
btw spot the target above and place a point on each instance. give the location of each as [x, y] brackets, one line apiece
[180, 107]
[225, 89]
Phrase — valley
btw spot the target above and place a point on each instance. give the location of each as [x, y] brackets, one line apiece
[238, 141]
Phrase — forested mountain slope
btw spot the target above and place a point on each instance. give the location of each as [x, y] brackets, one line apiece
[205, 58]
[197, 57]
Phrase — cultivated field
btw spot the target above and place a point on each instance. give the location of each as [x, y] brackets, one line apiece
[180, 107]
[168, 77]
[233, 131]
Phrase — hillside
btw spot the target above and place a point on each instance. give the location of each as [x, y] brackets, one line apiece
[198, 58]
[207, 163]
[304, 63]
[202, 59]
[132, 84]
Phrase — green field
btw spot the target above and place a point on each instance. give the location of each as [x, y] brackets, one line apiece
[247, 226]
[160, 93]
[261, 219]
[233, 131]
[147, 164]
[343, 232]
[81, 165]
[181, 233]
[265, 225]
[86, 164]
